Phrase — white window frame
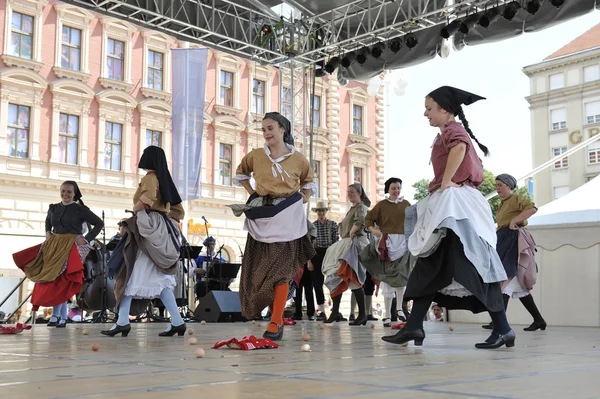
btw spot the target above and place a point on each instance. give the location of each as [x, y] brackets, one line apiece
[321, 87]
[218, 161]
[156, 115]
[231, 64]
[322, 148]
[227, 130]
[22, 87]
[360, 155]
[595, 73]
[78, 18]
[34, 8]
[117, 107]
[556, 81]
[160, 43]
[564, 162]
[123, 32]
[561, 124]
[74, 98]
[265, 74]
[360, 97]
[595, 116]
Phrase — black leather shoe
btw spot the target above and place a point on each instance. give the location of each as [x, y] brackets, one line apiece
[359, 321]
[372, 318]
[334, 317]
[351, 318]
[536, 325]
[276, 336]
[488, 326]
[179, 330]
[507, 339]
[53, 323]
[124, 330]
[405, 335]
[61, 324]
[321, 317]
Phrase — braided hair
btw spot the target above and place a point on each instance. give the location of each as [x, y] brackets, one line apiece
[461, 115]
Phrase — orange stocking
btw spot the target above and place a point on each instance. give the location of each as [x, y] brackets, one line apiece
[281, 293]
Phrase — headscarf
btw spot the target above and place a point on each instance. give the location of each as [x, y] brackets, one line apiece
[363, 196]
[78, 194]
[284, 123]
[389, 182]
[154, 159]
[451, 98]
[507, 179]
[209, 241]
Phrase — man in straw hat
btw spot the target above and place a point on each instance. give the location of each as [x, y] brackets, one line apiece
[327, 235]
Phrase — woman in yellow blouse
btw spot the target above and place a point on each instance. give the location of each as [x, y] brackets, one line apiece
[511, 219]
[277, 246]
[152, 245]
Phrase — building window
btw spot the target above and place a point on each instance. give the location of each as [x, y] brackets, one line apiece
[317, 178]
[112, 146]
[357, 120]
[594, 156]
[358, 175]
[561, 191]
[557, 81]
[155, 70]
[225, 160]
[286, 102]
[68, 137]
[558, 118]
[154, 138]
[592, 112]
[316, 111]
[258, 97]
[563, 163]
[21, 40]
[591, 73]
[226, 95]
[70, 50]
[17, 132]
[115, 60]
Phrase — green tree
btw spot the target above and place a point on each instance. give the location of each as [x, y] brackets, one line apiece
[488, 186]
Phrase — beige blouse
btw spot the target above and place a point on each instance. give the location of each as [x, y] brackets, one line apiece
[149, 193]
[279, 178]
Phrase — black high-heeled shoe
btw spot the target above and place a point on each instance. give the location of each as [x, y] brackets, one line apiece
[179, 330]
[333, 317]
[507, 339]
[536, 325]
[359, 321]
[274, 336]
[124, 330]
[403, 336]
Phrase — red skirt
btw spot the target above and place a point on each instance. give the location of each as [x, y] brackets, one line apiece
[60, 290]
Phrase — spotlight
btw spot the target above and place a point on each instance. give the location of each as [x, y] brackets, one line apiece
[332, 65]
[533, 6]
[342, 77]
[348, 59]
[489, 17]
[557, 3]
[395, 45]
[511, 10]
[449, 29]
[411, 40]
[320, 69]
[362, 55]
[377, 50]
[468, 23]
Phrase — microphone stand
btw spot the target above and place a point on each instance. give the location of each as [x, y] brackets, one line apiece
[102, 317]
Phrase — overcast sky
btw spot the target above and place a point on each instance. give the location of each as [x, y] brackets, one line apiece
[502, 122]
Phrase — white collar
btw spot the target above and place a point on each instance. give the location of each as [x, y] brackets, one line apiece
[397, 201]
[276, 168]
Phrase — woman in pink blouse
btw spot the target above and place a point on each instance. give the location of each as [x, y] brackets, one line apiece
[454, 240]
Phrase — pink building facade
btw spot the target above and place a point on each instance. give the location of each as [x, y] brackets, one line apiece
[81, 96]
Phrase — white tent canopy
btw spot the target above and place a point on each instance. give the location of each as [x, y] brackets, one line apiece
[578, 206]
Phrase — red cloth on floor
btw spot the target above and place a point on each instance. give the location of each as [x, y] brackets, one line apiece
[14, 329]
[289, 322]
[55, 292]
[247, 343]
[398, 326]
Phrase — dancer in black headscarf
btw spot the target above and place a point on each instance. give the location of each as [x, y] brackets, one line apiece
[454, 239]
[152, 245]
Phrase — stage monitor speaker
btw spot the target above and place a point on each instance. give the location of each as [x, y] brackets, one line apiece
[219, 307]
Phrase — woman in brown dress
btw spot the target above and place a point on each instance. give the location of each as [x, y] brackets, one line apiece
[277, 246]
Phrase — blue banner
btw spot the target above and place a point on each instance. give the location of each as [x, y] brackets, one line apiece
[189, 88]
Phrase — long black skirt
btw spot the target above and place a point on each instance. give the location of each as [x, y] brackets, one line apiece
[508, 250]
[447, 263]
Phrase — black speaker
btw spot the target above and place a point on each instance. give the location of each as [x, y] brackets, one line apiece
[219, 307]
